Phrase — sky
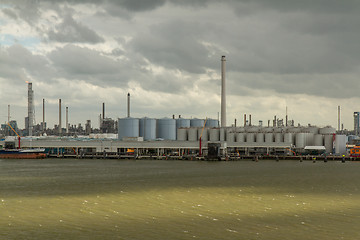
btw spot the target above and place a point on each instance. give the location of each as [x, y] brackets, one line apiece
[300, 55]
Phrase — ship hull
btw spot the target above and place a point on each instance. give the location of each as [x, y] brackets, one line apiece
[22, 154]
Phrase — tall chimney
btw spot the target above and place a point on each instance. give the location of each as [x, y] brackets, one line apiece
[249, 119]
[8, 113]
[103, 115]
[60, 131]
[30, 108]
[223, 93]
[244, 120]
[128, 105]
[338, 118]
[67, 120]
[43, 120]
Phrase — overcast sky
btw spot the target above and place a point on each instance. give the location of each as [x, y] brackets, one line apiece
[301, 54]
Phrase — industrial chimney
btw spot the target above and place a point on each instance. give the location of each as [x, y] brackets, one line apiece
[31, 112]
[67, 120]
[103, 111]
[223, 93]
[128, 105]
[60, 118]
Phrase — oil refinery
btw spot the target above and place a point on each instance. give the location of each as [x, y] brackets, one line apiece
[178, 137]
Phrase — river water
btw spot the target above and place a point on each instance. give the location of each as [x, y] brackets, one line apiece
[152, 199]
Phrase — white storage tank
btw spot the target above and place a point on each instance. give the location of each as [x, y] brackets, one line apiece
[128, 127]
[240, 137]
[182, 123]
[327, 130]
[300, 140]
[288, 138]
[318, 140]
[204, 136]
[195, 122]
[279, 137]
[340, 144]
[260, 137]
[269, 137]
[214, 134]
[182, 134]
[147, 128]
[250, 137]
[212, 123]
[309, 137]
[311, 129]
[166, 128]
[192, 134]
[328, 143]
[230, 137]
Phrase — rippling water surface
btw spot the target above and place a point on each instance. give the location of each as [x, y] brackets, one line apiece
[111, 199]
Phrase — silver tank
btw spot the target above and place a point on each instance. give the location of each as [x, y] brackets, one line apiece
[192, 134]
[260, 137]
[311, 129]
[327, 130]
[318, 140]
[214, 134]
[212, 123]
[309, 139]
[204, 136]
[269, 137]
[182, 123]
[128, 127]
[250, 137]
[240, 137]
[182, 134]
[230, 137]
[279, 137]
[288, 138]
[147, 128]
[328, 143]
[195, 122]
[166, 128]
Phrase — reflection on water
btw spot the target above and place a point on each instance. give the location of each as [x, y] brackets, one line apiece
[109, 199]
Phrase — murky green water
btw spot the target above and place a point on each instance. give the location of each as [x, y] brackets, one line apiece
[110, 199]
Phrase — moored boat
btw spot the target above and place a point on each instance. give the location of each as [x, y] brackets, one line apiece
[23, 153]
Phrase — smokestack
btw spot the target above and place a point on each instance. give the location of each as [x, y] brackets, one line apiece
[31, 112]
[338, 118]
[43, 120]
[67, 120]
[103, 115]
[223, 93]
[8, 113]
[60, 118]
[286, 118]
[244, 120]
[128, 105]
[235, 122]
[249, 119]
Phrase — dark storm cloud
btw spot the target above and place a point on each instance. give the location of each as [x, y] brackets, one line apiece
[72, 31]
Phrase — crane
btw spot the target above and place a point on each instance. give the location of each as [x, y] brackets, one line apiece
[14, 132]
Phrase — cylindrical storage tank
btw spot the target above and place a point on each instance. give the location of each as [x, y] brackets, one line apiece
[288, 138]
[212, 123]
[294, 129]
[250, 137]
[204, 132]
[240, 137]
[309, 139]
[260, 137]
[197, 122]
[279, 137]
[182, 134]
[300, 140]
[311, 129]
[192, 134]
[222, 134]
[214, 134]
[269, 137]
[230, 137]
[166, 128]
[128, 127]
[328, 143]
[147, 128]
[318, 140]
[182, 123]
[327, 130]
